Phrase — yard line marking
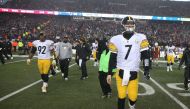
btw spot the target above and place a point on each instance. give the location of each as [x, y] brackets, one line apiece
[24, 88]
[15, 61]
[168, 93]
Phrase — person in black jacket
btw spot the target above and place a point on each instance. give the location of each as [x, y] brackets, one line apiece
[4, 50]
[1, 52]
[83, 54]
[8, 46]
[186, 59]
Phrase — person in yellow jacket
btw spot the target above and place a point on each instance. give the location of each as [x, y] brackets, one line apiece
[20, 47]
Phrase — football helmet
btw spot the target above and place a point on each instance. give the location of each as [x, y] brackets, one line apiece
[128, 23]
[156, 44]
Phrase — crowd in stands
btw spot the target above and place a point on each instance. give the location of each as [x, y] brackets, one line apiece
[136, 7]
[25, 28]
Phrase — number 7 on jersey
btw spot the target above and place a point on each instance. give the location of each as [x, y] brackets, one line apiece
[128, 51]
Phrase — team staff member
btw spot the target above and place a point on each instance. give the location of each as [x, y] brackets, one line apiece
[83, 54]
[44, 49]
[126, 50]
[64, 54]
[186, 58]
[103, 71]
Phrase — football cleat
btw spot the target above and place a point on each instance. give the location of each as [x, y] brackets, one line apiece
[82, 78]
[44, 90]
[131, 106]
[109, 95]
[104, 96]
[66, 79]
[146, 75]
[188, 85]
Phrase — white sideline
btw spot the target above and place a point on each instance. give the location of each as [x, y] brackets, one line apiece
[168, 93]
[15, 61]
[24, 88]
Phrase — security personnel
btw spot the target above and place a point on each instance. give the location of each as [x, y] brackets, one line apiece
[103, 71]
[20, 47]
[186, 58]
[64, 54]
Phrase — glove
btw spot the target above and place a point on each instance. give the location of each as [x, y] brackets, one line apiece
[28, 61]
[54, 62]
[146, 74]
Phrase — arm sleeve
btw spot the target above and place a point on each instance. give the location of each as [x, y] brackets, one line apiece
[33, 49]
[182, 59]
[112, 63]
[113, 58]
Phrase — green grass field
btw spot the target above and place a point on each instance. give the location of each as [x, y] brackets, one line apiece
[84, 94]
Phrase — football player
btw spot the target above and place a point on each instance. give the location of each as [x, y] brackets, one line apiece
[94, 52]
[44, 49]
[180, 53]
[126, 51]
[170, 56]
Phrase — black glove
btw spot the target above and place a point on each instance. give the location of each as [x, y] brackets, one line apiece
[146, 74]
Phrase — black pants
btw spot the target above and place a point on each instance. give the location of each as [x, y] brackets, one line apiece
[83, 68]
[64, 66]
[103, 83]
[2, 58]
[9, 51]
[187, 77]
[5, 54]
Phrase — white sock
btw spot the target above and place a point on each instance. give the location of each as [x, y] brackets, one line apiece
[168, 68]
[45, 84]
[171, 68]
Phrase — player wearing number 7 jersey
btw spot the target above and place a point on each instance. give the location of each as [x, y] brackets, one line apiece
[126, 51]
[44, 49]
